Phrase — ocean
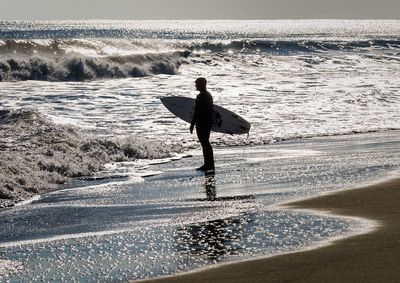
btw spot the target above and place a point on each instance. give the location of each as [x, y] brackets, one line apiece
[80, 111]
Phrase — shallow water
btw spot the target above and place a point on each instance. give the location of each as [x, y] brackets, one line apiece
[181, 219]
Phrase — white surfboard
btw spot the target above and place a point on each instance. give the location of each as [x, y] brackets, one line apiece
[225, 121]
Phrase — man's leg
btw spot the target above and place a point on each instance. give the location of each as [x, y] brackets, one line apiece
[203, 133]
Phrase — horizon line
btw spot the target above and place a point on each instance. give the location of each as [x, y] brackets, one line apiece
[202, 19]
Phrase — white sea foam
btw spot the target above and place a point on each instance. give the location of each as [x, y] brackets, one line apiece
[51, 154]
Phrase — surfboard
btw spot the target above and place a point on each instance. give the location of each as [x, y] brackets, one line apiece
[225, 121]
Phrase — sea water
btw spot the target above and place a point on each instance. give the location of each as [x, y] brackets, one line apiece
[322, 97]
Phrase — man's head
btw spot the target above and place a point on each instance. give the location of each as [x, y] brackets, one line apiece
[201, 84]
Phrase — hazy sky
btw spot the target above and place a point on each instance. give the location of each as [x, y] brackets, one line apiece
[205, 9]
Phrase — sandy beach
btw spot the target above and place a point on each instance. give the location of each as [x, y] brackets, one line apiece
[372, 257]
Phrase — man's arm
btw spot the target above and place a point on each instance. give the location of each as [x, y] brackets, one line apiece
[194, 118]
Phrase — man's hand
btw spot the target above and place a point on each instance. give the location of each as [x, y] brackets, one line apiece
[191, 128]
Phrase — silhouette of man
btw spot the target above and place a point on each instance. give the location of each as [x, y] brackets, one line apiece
[203, 119]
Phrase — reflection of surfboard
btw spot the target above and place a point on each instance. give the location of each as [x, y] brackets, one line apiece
[225, 121]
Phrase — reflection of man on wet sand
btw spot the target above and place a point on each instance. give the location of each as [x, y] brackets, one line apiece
[209, 183]
[203, 120]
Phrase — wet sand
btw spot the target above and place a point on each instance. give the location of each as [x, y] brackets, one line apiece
[372, 257]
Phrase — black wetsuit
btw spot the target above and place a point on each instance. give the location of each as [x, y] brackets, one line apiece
[203, 119]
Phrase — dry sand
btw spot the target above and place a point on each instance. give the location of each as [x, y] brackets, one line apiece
[372, 257]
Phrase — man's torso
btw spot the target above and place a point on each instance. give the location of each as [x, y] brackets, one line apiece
[204, 109]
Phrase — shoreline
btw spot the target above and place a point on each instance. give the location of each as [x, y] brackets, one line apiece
[14, 194]
[369, 256]
[187, 186]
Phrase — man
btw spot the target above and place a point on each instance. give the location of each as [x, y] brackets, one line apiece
[203, 119]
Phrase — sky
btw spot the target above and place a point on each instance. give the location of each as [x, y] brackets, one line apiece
[190, 9]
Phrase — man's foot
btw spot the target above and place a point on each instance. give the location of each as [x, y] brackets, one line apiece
[206, 168]
[201, 168]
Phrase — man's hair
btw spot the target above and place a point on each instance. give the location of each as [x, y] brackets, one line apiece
[201, 81]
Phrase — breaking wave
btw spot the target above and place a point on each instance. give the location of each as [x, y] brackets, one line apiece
[37, 154]
[294, 46]
[104, 47]
[82, 68]
[91, 59]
